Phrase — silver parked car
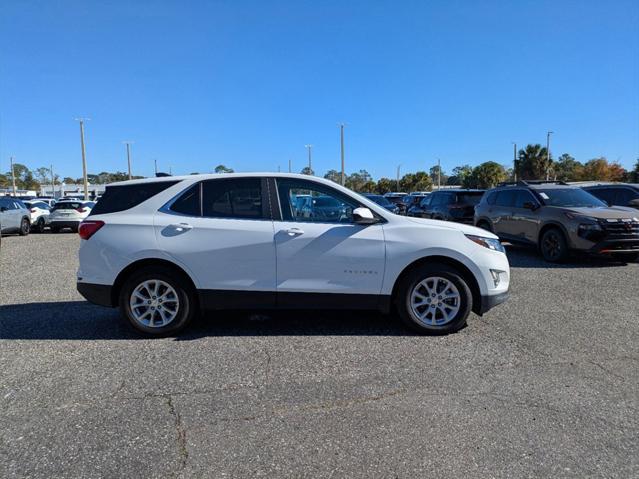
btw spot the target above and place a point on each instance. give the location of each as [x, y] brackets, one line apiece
[14, 216]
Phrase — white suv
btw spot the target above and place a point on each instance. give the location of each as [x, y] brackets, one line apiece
[163, 248]
[69, 214]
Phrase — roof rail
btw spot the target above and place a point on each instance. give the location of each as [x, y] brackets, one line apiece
[532, 182]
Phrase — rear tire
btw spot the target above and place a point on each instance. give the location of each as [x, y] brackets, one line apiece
[434, 299]
[157, 302]
[25, 227]
[39, 225]
[553, 246]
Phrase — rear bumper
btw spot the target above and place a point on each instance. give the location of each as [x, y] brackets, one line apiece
[99, 294]
[489, 302]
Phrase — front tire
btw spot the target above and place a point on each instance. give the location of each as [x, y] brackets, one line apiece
[25, 227]
[484, 225]
[553, 246]
[434, 299]
[157, 302]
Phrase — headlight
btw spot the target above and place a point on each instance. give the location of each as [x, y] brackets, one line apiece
[489, 243]
[590, 227]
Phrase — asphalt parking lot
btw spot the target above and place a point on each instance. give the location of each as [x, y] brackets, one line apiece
[546, 385]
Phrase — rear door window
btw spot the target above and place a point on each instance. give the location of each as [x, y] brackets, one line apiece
[121, 198]
[506, 198]
[523, 197]
[239, 198]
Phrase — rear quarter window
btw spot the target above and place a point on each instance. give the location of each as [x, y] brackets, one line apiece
[121, 198]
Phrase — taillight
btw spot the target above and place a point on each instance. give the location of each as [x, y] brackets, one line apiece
[81, 210]
[89, 228]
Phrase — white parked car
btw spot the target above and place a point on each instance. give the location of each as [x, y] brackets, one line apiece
[69, 214]
[39, 212]
[49, 201]
[14, 216]
[163, 248]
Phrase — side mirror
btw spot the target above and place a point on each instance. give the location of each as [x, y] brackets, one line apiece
[530, 205]
[363, 216]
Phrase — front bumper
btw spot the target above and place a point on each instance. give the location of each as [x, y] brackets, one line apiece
[99, 294]
[489, 302]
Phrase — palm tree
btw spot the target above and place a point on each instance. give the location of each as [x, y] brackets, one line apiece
[533, 163]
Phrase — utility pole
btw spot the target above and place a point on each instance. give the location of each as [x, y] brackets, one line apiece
[289, 165]
[52, 183]
[341, 130]
[128, 155]
[548, 154]
[155, 162]
[13, 176]
[439, 174]
[514, 161]
[310, 157]
[398, 167]
[84, 157]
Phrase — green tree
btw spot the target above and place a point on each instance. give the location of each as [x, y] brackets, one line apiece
[442, 175]
[334, 175]
[385, 185]
[418, 181]
[533, 163]
[4, 181]
[566, 168]
[460, 173]
[486, 175]
[633, 176]
[43, 174]
[307, 171]
[223, 169]
[356, 181]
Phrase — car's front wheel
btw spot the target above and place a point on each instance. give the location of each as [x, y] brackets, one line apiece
[553, 246]
[434, 299]
[157, 302]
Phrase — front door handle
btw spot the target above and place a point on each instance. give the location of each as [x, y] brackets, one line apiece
[181, 227]
[294, 231]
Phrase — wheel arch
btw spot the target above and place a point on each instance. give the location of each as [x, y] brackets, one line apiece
[144, 263]
[464, 272]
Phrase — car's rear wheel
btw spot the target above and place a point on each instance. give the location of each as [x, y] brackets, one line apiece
[25, 227]
[434, 299]
[157, 302]
[553, 246]
[38, 227]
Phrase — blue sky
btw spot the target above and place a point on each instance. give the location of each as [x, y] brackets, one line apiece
[249, 83]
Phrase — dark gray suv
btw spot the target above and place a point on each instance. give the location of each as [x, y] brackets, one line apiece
[558, 218]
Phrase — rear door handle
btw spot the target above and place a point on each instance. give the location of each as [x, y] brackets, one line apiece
[181, 226]
[294, 231]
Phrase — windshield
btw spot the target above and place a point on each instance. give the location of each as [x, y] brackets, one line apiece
[570, 197]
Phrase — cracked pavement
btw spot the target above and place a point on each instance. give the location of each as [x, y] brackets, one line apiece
[546, 385]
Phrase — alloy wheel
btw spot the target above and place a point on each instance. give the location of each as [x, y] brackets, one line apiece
[435, 301]
[154, 303]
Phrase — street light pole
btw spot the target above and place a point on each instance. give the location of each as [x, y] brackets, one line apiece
[310, 158]
[155, 162]
[548, 154]
[128, 155]
[439, 174]
[13, 176]
[84, 158]
[514, 160]
[398, 167]
[341, 130]
[289, 165]
[52, 183]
